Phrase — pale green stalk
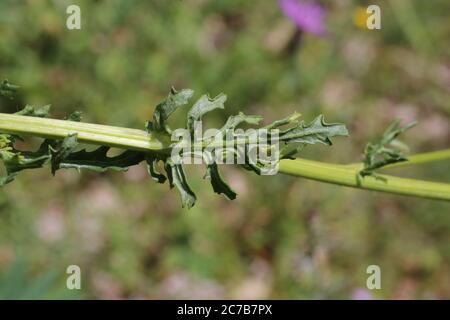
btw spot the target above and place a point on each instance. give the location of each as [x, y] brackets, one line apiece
[420, 158]
[348, 176]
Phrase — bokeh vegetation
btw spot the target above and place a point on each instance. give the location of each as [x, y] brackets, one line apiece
[283, 237]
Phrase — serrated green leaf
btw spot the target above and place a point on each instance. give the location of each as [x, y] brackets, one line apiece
[386, 151]
[293, 118]
[152, 169]
[291, 150]
[174, 100]
[7, 89]
[393, 131]
[318, 131]
[234, 121]
[32, 111]
[63, 149]
[98, 160]
[204, 105]
[16, 161]
[177, 178]
[218, 184]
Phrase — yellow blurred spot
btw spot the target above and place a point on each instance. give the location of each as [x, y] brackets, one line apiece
[360, 16]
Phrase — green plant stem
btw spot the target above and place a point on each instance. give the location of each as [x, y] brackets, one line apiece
[134, 139]
[89, 133]
[347, 176]
[420, 158]
[423, 158]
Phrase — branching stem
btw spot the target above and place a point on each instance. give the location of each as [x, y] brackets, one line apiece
[134, 139]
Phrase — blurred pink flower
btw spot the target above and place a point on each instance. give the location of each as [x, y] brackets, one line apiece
[50, 226]
[307, 15]
[361, 294]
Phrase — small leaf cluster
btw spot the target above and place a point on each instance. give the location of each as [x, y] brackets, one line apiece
[387, 150]
[294, 136]
[7, 89]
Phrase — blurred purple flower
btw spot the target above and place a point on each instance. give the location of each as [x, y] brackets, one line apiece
[307, 15]
[361, 294]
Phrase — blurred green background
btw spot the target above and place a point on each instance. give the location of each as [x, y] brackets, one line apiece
[283, 237]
